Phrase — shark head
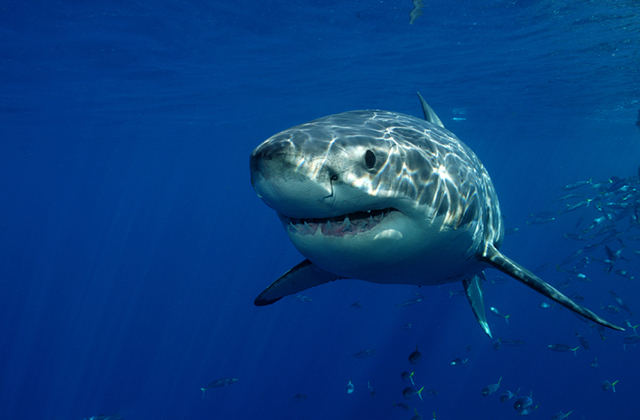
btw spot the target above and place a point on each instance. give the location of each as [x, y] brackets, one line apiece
[377, 195]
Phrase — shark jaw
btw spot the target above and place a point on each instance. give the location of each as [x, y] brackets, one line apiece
[347, 225]
[379, 246]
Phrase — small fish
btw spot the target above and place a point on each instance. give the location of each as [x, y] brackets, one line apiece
[456, 362]
[543, 214]
[500, 280]
[601, 185]
[542, 267]
[411, 302]
[627, 323]
[513, 343]
[510, 231]
[610, 309]
[546, 305]
[596, 222]
[631, 339]
[299, 397]
[415, 357]
[303, 298]
[363, 354]
[496, 344]
[606, 385]
[606, 229]
[619, 300]
[594, 364]
[490, 389]
[527, 410]
[417, 416]
[559, 347]
[612, 236]
[406, 327]
[350, 387]
[432, 391]
[416, 11]
[523, 402]
[560, 415]
[403, 406]
[583, 319]
[572, 207]
[496, 312]
[590, 248]
[575, 185]
[541, 220]
[572, 257]
[581, 277]
[576, 297]
[218, 384]
[612, 257]
[582, 263]
[600, 331]
[409, 392]
[507, 395]
[574, 237]
[372, 391]
[617, 184]
[407, 377]
[569, 196]
[624, 273]
[583, 341]
[356, 305]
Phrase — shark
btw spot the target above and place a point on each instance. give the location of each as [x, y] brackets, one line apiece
[387, 198]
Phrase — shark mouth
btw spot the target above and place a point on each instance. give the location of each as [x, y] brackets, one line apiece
[346, 225]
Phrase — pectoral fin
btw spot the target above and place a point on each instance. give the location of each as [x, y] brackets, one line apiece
[473, 288]
[299, 278]
[498, 260]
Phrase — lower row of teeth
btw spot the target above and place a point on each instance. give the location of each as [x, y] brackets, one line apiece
[333, 228]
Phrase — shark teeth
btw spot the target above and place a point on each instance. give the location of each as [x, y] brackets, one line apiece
[349, 224]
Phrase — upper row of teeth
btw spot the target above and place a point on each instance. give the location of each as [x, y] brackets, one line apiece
[346, 220]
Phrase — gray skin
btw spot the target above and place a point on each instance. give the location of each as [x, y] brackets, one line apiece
[386, 198]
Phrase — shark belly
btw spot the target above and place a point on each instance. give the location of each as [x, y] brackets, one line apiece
[396, 251]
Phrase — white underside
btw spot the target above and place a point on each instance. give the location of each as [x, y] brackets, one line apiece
[398, 250]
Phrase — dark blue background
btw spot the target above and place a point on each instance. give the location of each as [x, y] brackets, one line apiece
[132, 244]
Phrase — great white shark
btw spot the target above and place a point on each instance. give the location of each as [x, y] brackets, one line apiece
[386, 198]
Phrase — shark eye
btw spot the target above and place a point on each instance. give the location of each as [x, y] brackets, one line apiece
[369, 159]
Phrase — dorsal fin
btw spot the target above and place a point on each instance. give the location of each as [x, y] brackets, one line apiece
[429, 114]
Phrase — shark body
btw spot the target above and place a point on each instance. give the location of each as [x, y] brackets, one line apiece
[386, 198]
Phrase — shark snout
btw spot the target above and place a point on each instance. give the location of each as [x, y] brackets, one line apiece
[269, 159]
[291, 184]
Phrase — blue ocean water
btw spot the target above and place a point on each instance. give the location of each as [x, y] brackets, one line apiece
[132, 244]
